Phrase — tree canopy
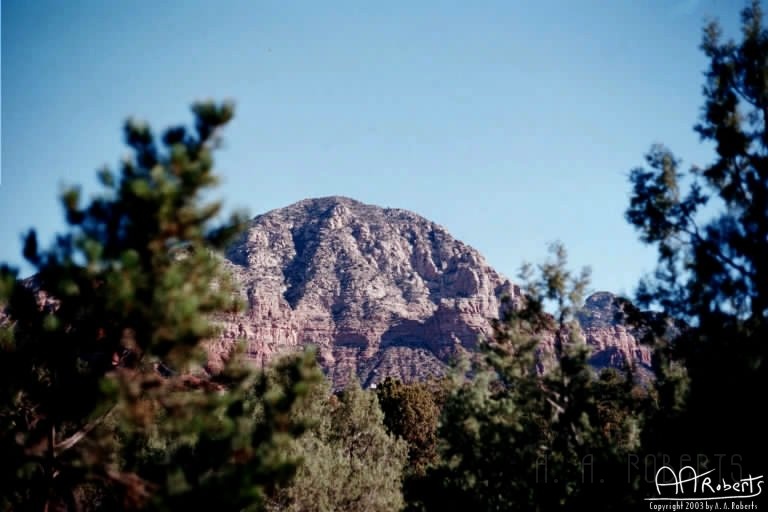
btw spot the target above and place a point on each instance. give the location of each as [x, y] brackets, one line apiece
[100, 369]
[710, 226]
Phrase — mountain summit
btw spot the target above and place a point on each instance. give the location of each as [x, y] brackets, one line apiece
[380, 291]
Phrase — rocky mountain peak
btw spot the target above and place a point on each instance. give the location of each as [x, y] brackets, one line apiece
[379, 291]
[601, 309]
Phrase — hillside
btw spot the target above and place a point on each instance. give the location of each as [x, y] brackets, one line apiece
[379, 291]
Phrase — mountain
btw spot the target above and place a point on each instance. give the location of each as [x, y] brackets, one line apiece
[380, 292]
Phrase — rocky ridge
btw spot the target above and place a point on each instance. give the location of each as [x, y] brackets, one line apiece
[379, 291]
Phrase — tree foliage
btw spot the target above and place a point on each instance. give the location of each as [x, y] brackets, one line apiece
[350, 461]
[710, 226]
[100, 362]
[411, 412]
[529, 428]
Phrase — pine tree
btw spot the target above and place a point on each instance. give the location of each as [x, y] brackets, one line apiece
[710, 226]
[527, 430]
[100, 352]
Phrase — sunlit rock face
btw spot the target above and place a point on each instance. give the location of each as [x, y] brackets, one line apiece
[612, 342]
[380, 292]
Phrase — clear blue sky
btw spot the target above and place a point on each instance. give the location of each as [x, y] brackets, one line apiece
[511, 123]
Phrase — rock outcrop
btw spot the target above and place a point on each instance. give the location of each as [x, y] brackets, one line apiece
[378, 291]
[612, 342]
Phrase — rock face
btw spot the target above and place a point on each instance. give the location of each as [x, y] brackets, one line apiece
[379, 291]
[612, 343]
